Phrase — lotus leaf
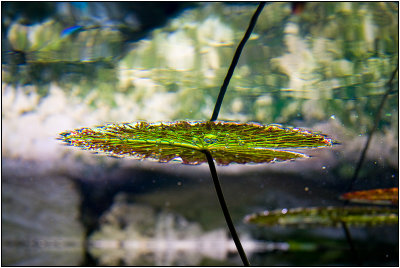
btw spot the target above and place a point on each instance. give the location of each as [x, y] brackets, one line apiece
[326, 217]
[228, 142]
[389, 196]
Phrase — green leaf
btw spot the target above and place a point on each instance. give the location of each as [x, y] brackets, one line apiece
[326, 217]
[185, 141]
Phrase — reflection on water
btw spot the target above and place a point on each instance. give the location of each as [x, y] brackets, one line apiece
[325, 68]
[40, 217]
[135, 234]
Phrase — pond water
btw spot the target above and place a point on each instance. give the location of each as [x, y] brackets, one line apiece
[324, 67]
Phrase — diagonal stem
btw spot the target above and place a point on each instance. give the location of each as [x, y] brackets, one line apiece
[373, 129]
[224, 207]
[350, 242]
[362, 157]
[235, 61]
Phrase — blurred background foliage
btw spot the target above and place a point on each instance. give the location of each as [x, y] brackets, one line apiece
[330, 59]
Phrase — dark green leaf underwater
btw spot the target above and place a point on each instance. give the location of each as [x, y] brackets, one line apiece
[326, 217]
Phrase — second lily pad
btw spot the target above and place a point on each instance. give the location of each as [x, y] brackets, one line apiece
[389, 196]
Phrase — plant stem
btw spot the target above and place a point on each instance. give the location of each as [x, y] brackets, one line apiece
[224, 207]
[361, 160]
[235, 61]
[214, 117]
[375, 126]
[351, 244]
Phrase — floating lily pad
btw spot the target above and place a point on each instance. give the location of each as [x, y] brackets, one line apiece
[186, 141]
[326, 217]
[389, 196]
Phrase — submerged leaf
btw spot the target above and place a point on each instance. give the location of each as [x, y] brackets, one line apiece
[326, 217]
[389, 196]
[228, 142]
